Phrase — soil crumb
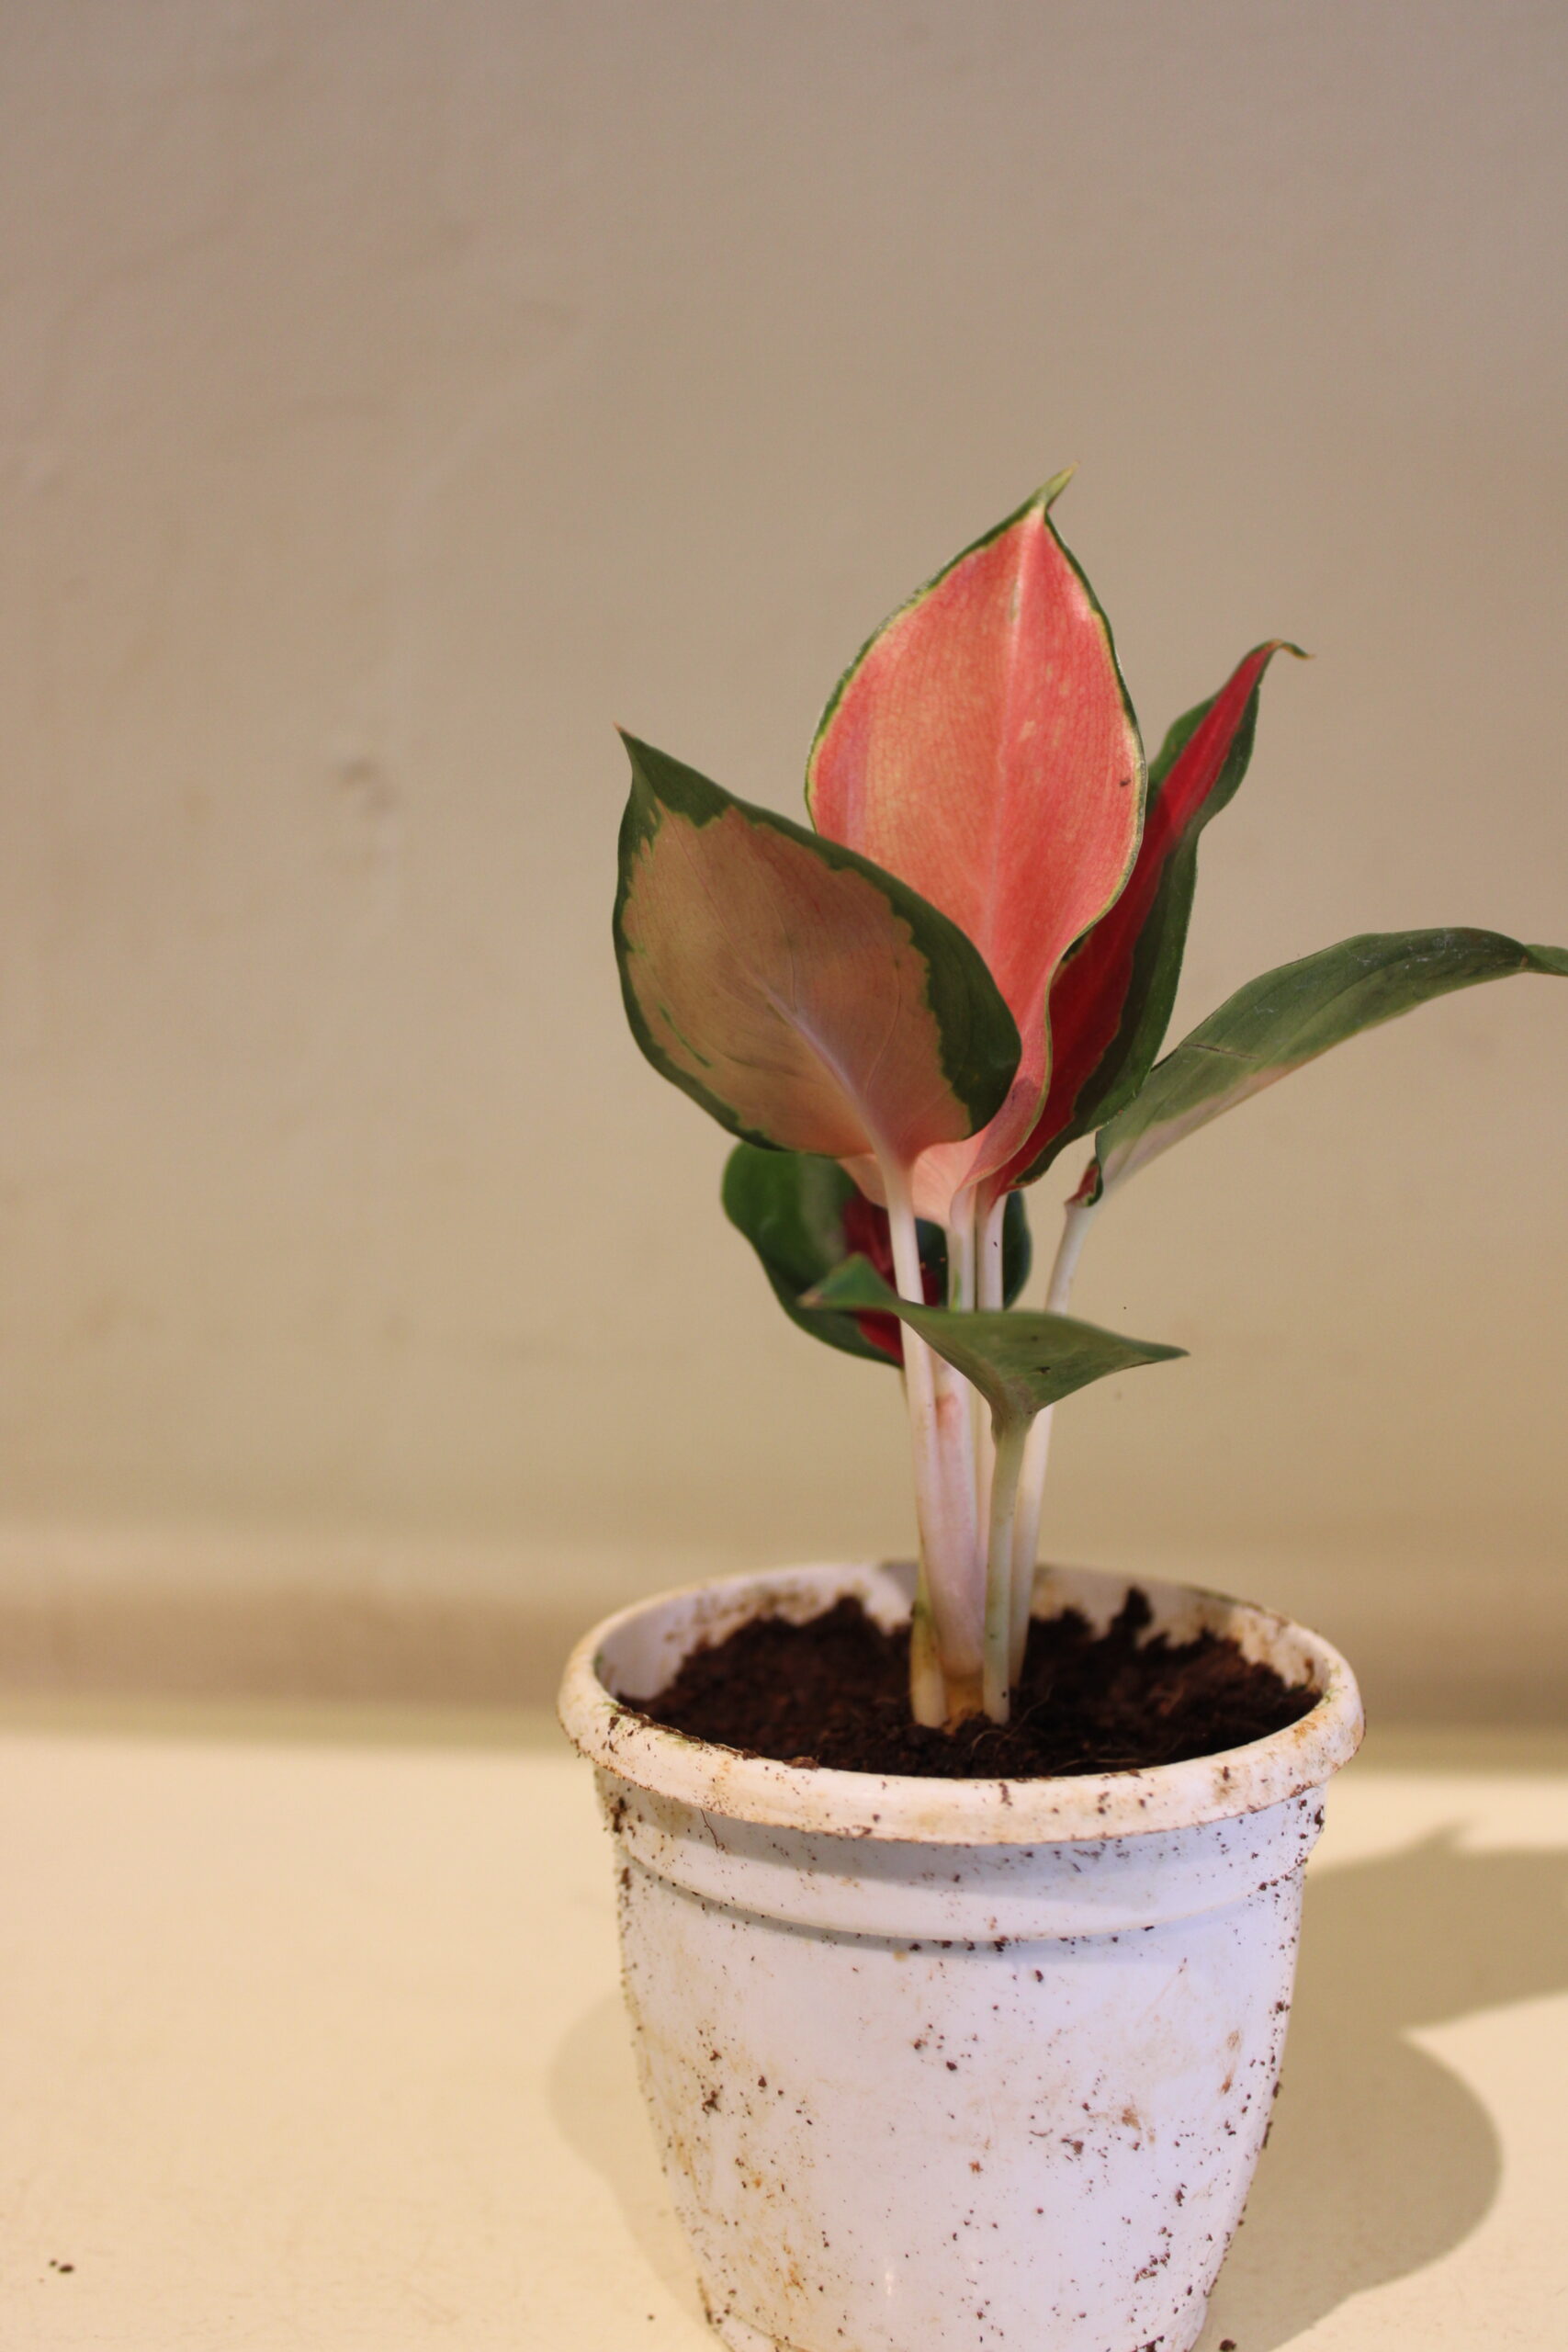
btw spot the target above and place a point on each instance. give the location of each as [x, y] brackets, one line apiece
[834, 1691]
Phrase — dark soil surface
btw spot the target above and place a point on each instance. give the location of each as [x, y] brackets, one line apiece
[835, 1691]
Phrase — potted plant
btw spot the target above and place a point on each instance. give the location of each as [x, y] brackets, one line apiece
[960, 1997]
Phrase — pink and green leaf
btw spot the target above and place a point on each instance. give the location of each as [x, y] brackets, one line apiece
[1287, 1017]
[804, 1217]
[1111, 1000]
[806, 1000]
[982, 748]
[1019, 1362]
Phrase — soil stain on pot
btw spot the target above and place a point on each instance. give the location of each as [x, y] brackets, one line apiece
[834, 1691]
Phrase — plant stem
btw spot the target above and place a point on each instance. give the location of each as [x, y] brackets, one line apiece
[989, 1287]
[943, 1451]
[991, 1283]
[1076, 1221]
[1022, 1568]
[1037, 1453]
[962, 1277]
[928, 1691]
[1011, 1439]
[961, 1255]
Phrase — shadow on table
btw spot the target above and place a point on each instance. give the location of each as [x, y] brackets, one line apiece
[598, 2111]
[1381, 2159]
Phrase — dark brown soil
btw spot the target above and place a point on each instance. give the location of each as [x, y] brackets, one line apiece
[835, 1691]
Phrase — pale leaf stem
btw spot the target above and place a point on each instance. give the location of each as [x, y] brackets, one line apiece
[1037, 1453]
[943, 1472]
[990, 1300]
[963, 1232]
[1011, 1439]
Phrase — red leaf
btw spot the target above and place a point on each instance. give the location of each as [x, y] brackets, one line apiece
[1089, 998]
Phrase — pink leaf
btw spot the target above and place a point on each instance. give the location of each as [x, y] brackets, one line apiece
[982, 748]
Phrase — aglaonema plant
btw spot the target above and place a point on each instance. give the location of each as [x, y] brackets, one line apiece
[906, 1011]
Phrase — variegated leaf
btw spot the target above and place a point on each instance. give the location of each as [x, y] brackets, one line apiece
[804, 998]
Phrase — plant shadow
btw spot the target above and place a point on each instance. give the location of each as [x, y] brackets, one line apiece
[598, 2110]
[1381, 2159]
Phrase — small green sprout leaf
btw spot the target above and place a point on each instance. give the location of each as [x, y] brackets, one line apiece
[1019, 1362]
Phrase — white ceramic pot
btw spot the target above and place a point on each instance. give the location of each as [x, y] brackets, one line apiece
[945, 2065]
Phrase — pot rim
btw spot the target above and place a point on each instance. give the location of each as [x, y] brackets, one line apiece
[901, 1807]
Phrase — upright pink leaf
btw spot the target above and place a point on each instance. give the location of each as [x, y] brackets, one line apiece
[983, 749]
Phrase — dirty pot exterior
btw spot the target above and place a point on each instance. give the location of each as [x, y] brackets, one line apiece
[942, 2065]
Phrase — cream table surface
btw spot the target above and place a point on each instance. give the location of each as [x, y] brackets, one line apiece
[311, 2038]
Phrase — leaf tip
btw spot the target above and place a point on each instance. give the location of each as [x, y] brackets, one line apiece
[1049, 492]
[1091, 1184]
[1272, 645]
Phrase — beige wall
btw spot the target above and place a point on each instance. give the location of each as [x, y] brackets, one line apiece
[396, 394]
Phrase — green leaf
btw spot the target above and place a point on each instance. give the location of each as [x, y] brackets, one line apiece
[1019, 1362]
[1287, 1017]
[804, 1216]
[805, 998]
[790, 1206]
